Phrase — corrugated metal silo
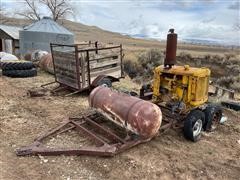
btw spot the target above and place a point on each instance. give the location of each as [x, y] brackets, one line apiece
[40, 34]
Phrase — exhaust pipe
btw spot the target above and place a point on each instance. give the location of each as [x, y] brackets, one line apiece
[171, 49]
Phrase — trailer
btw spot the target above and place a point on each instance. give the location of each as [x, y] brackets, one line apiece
[81, 67]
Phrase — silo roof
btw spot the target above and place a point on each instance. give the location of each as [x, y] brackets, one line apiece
[46, 24]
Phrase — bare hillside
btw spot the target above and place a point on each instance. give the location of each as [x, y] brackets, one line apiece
[85, 33]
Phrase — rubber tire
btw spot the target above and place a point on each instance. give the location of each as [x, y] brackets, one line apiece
[132, 93]
[17, 65]
[105, 81]
[189, 122]
[209, 114]
[20, 73]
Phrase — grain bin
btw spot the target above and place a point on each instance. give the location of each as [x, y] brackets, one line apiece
[40, 34]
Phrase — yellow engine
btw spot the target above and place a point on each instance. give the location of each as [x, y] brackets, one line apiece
[181, 84]
[181, 92]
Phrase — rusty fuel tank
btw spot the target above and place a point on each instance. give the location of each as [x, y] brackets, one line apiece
[46, 63]
[136, 115]
[171, 49]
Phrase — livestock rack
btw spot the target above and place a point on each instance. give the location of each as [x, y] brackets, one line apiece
[82, 66]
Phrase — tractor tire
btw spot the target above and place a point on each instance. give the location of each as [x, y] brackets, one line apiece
[20, 73]
[105, 82]
[193, 125]
[213, 115]
[18, 65]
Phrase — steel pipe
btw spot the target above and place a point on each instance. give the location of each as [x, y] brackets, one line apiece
[171, 49]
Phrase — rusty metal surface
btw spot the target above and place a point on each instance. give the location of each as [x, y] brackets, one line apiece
[109, 140]
[98, 79]
[171, 48]
[46, 63]
[136, 115]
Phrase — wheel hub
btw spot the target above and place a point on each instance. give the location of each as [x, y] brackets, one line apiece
[197, 127]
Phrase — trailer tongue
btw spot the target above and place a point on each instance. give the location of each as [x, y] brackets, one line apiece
[105, 126]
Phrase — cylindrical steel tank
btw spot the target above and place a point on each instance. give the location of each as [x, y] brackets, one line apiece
[171, 49]
[46, 63]
[136, 115]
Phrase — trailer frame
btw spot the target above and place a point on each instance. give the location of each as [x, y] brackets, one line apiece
[81, 67]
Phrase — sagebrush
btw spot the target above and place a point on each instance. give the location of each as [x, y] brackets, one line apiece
[142, 68]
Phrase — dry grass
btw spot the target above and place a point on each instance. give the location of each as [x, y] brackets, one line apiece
[230, 82]
[23, 118]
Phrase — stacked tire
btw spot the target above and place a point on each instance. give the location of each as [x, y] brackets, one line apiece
[18, 69]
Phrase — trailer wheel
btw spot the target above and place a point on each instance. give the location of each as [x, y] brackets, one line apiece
[105, 82]
[193, 125]
[213, 115]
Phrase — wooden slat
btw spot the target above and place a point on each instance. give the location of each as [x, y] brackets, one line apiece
[64, 59]
[103, 64]
[104, 57]
[67, 81]
[64, 54]
[71, 69]
[104, 48]
[105, 68]
[65, 63]
[67, 74]
[107, 71]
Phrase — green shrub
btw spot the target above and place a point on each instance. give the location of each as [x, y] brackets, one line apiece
[230, 82]
[229, 55]
[141, 68]
[145, 64]
[131, 68]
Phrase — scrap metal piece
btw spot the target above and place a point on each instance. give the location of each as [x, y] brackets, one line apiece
[37, 92]
[136, 115]
[231, 105]
[221, 92]
[109, 140]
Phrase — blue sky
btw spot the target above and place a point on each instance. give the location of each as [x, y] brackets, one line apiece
[199, 19]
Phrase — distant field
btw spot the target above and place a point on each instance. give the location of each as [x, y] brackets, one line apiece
[92, 33]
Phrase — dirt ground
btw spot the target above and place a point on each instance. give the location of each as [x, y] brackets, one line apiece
[169, 156]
